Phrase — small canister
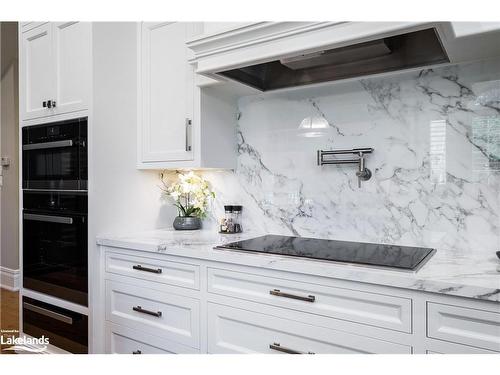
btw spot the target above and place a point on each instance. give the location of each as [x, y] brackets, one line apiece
[227, 224]
[237, 227]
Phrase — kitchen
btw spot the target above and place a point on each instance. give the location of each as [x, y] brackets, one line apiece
[259, 187]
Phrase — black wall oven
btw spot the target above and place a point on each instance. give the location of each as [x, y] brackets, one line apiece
[55, 244]
[55, 155]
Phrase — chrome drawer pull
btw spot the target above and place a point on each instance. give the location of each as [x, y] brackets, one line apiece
[136, 352]
[148, 312]
[44, 145]
[277, 292]
[49, 218]
[48, 313]
[188, 134]
[146, 269]
[276, 346]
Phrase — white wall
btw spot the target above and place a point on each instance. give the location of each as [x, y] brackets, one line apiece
[9, 253]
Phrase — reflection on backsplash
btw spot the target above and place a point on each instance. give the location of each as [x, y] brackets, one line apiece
[436, 175]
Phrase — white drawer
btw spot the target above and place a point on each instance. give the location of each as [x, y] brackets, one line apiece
[124, 340]
[161, 271]
[232, 330]
[356, 306]
[463, 325]
[173, 317]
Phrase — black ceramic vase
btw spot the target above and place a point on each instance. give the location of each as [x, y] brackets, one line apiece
[187, 223]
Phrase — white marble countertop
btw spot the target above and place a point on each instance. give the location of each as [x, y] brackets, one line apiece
[472, 275]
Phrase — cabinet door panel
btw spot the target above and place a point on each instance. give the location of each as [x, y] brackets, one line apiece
[167, 93]
[232, 330]
[72, 65]
[37, 72]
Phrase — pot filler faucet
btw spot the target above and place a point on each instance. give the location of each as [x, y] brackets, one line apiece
[363, 173]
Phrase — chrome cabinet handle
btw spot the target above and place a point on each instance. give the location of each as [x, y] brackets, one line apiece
[146, 269]
[277, 292]
[277, 346]
[49, 218]
[48, 313]
[39, 146]
[148, 312]
[136, 352]
[188, 133]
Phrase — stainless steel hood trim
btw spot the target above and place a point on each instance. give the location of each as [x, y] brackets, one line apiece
[390, 54]
[267, 41]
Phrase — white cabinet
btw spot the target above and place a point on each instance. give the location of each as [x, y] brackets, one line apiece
[72, 62]
[123, 340]
[55, 69]
[176, 303]
[37, 72]
[379, 310]
[171, 316]
[463, 325]
[239, 331]
[166, 93]
[173, 129]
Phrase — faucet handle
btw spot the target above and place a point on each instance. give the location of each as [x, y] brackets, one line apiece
[363, 175]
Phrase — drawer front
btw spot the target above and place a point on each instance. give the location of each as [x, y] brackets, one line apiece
[463, 325]
[356, 306]
[161, 271]
[232, 330]
[173, 317]
[123, 340]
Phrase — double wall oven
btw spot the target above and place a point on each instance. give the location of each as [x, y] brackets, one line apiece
[55, 230]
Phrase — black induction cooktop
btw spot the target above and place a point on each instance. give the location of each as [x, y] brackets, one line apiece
[371, 254]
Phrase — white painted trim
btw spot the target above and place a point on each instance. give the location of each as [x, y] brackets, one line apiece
[9, 279]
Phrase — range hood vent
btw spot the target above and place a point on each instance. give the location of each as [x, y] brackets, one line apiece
[411, 50]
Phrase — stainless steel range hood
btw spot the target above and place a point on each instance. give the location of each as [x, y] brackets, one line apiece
[410, 50]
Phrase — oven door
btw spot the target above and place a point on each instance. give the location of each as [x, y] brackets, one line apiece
[55, 156]
[55, 254]
[65, 329]
[52, 165]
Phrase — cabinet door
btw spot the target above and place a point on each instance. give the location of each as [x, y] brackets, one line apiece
[232, 330]
[166, 93]
[72, 62]
[37, 72]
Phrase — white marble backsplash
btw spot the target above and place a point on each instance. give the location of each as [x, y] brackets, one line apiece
[436, 164]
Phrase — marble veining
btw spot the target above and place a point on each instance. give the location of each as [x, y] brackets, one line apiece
[436, 164]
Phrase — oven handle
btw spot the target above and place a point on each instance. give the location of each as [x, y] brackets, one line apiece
[48, 313]
[39, 146]
[49, 218]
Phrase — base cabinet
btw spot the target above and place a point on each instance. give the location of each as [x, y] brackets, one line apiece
[239, 331]
[228, 308]
[167, 315]
[123, 340]
[473, 327]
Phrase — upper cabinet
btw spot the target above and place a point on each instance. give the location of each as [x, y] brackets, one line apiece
[175, 128]
[55, 69]
[36, 67]
[167, 93]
